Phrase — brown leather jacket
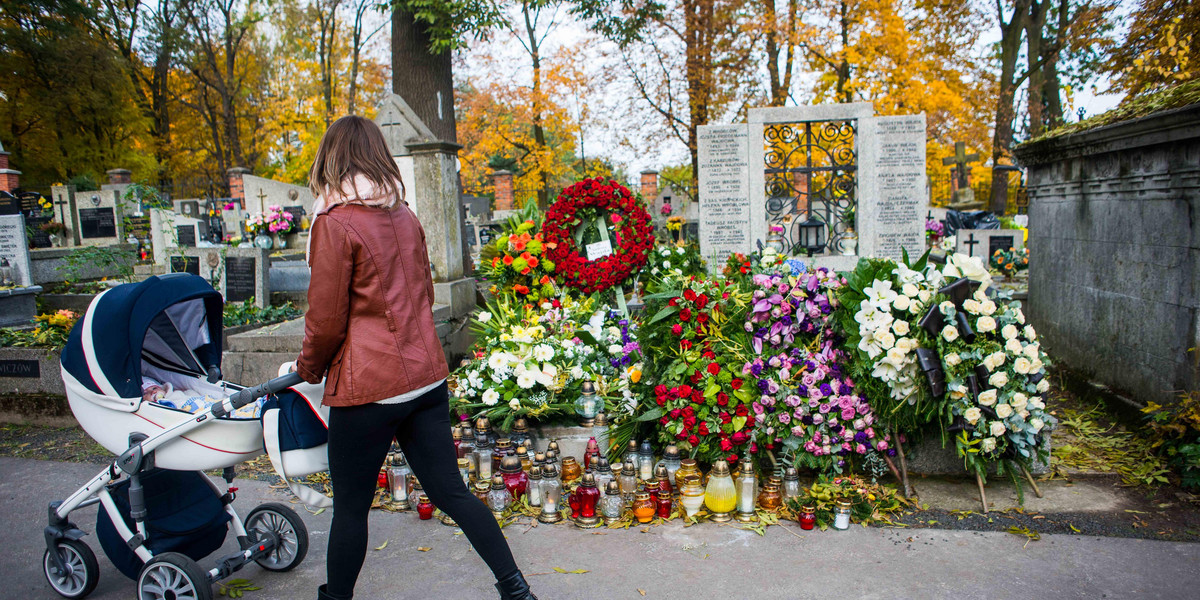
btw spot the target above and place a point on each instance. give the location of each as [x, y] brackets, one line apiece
[370, 317]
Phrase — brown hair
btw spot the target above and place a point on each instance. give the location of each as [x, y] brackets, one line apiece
[355, 146]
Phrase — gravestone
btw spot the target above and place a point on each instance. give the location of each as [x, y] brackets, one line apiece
[261, 192]
[63, 197]
[793, 164]
[9, 204]
[99, 218]
[166, 229]
[984, 242]
[964, 196]
[240, 274]
[17, 306]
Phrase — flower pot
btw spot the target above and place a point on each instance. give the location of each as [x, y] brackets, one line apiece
[849, 244]
[280, 241]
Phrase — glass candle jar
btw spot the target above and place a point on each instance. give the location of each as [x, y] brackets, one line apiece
[628, 482]
[551, 495]
[552, 446]
[520, 432]
[570, 469]
[424, 508]
[631, 453]
[670, 460]
[584, 502]
[483, 459]
[747, 487]
[515, 480]
[456, 435]
[770, 498]
[600, 433]
[414, 490]
[646, 461]
[398, 474]
[588, 404]
[604, 475]
[464, 471]
[720, 495]
[611, 505]
[503, 448]
[535, 486]
[841, 515]
[691, 494]
[643, 507]
[687, 467]
[665, 501]
[807, 517]
[498, 497]
[791, 484]
[591, 454]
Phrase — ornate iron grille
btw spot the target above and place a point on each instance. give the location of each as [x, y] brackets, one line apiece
[810, 171]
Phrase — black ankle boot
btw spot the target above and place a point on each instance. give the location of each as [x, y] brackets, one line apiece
[514, 587]
[323, 594]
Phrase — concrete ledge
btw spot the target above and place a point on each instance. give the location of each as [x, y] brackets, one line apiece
[459, 295]
[45, 263]
[19, 306]
[929, 458]
[253, 368]
[74, 302]
[44, 409]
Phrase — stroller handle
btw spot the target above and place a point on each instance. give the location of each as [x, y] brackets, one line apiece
[251, 394]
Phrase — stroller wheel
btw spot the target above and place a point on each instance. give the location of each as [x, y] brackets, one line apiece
[289, 530]
[82, 573]
[173, 576]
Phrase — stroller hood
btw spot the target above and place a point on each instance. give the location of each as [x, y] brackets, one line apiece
[173, 321]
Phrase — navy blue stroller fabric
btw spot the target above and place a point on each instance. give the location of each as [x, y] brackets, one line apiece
[185, 515]
[299, 425]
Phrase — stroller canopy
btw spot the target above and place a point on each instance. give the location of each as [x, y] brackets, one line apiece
[172, 321]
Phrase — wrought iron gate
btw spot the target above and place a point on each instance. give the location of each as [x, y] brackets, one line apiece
[811, 172]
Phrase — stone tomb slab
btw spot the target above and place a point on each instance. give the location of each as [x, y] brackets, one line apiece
[169, 231]
[985, 242]
[99, 218]
[15, 248]
[242, 274]
[725, 196]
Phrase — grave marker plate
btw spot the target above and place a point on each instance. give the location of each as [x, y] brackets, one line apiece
[97, 223]
[138, 227]
[724, 191]
[186, 235]
[1000, 242]
[984, 242]
[31, 369]
[9, 204]
[240, 284]
[892, 216]
[185, 264]
[297, 212]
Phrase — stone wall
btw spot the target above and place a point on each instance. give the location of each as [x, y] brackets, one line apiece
[1114, 244]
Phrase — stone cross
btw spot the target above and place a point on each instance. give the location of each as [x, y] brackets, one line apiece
[970, 244]
[262, 195]
[960, 161]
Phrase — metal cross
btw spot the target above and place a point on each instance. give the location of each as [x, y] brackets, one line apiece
[262, 195]
[970, 244]
[62, 211]
[960, 160]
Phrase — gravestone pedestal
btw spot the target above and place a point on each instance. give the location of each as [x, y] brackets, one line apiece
[18, 306]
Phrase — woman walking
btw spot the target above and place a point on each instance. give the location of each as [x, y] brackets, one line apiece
[369, 334]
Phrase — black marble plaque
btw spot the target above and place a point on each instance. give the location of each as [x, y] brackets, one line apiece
[187, 235]
[38, 237]
[240, 278]
[9, 204]
[1000, 242]
[297, 212]
[30, 369]
[97, 223]
[138, 227]
[185, 264]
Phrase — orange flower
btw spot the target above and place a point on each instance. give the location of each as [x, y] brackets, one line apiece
[544, 280]
[518, 245]
[525, 271]
[508, 260]
[520, 289]
[495, 261]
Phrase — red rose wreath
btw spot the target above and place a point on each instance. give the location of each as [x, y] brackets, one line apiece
[580, 203]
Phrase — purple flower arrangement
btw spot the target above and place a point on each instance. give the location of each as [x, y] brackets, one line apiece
[784, 307]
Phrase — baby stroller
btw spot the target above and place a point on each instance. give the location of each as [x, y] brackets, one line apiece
[159, 513]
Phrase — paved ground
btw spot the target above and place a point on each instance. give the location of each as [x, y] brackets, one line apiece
[706, 561]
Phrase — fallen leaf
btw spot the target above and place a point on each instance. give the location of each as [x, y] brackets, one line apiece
[641, 591]
[383, 545]
[1073, 528]
[424, 548]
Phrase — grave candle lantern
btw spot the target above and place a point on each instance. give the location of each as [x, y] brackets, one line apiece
[720, 496]
[812, 235]
[551, 496]
[588, 405]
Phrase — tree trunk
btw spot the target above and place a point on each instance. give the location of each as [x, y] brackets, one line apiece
[1053, 89]
[425, 80]
[843, 71]
[1011, 34]
[698, 20]
[1035, 50]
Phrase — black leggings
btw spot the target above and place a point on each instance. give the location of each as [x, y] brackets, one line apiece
[359, 438]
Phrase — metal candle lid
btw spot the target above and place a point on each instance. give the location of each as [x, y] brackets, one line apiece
[510, 464]
[628, 469]
[843, 504]
[520, 424]
[660, 471]
[521, 451]
[464, 463]
[503, 444]
[646, 447]
[600, 420]
[423, 499]
[549, 471]
[497, 482]
[553, 445]
[539, 458]
[602, 465]
[588, 388]
[570, 460]
[482, 424]
[671, 451]
[456, 433]
[535, 472]
[551, 455]
[775, 481]
[720, 469]
[688, 462]
[482, 486]
[613, 489]
[633, 446]
[791, 474]
[589, 480]
[641, 496]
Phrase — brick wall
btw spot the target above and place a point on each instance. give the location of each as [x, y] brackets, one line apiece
[649, 185]
[1114, 239]
[9, 179]
[502, 182]
[236, 191]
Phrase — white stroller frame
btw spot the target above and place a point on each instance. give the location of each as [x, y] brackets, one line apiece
[270, 552]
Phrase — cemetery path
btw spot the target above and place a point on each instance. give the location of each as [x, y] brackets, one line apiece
[428, 560]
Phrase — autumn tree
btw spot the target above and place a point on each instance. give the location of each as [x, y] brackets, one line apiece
[1161, 47]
